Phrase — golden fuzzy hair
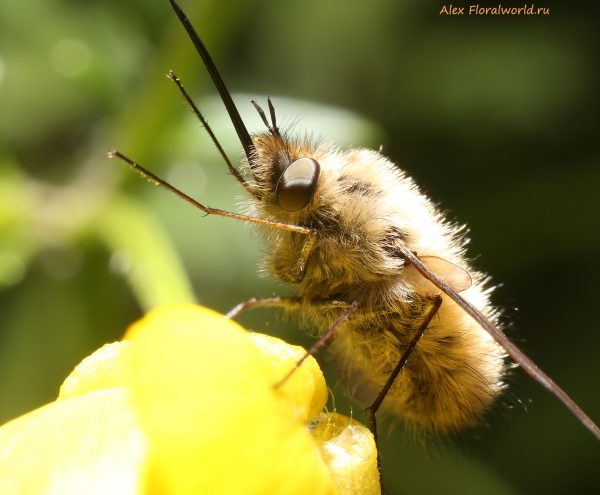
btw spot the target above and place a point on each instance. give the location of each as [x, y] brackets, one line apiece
[362, 208]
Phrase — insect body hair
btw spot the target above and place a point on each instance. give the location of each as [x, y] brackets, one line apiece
[362, 209]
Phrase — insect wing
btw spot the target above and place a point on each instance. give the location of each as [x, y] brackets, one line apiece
[455, 276]
[512, 350]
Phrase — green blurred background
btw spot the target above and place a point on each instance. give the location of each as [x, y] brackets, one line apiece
[496, 117]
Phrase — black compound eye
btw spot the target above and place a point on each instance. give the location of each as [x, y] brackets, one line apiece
[297, 184]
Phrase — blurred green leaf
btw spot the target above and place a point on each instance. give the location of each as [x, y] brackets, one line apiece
[143, 253]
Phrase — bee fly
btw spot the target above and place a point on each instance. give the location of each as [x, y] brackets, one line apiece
[375, 265]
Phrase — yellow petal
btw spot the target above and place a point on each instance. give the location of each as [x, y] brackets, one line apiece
[215, 422]
[206, 419]
[349, 451]
[87, 444]
[306, 386]
[103, 369]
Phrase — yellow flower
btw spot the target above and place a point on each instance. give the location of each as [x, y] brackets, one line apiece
[187, 405]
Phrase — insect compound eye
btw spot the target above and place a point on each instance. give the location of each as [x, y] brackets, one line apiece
[297, 184]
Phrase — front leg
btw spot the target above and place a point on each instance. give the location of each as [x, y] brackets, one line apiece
[324, 338]
[296, 303]
[279, 301]
[290, 255]
[292, 303]
[297, 274]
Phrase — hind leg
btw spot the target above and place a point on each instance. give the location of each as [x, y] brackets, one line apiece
[437, 302]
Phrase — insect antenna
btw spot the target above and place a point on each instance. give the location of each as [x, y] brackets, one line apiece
[273, 129]
[273, 120]
[234, 115]
[171, 75]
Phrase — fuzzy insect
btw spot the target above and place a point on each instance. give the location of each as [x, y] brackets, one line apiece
[373, 261]
[362, 209]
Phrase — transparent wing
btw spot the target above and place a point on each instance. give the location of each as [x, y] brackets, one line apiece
[512, 350]
[455, 276]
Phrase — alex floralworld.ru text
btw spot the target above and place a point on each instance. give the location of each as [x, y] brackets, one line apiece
[499, 10]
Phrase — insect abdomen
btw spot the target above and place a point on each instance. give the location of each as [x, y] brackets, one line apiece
[452, 378]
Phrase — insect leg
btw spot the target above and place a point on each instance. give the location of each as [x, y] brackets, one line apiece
[297, 274]
[324, 338]
[437, 302]
[263, 301]
[511, 349]
[296, 303]
[207, 209]
[171, 75]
